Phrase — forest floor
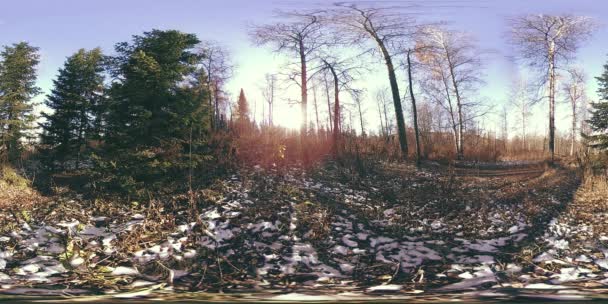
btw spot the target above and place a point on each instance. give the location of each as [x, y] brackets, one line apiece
[386, 232]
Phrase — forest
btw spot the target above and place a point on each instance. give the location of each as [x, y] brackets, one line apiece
[139, 174]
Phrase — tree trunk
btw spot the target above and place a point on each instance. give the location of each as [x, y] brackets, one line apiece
[314, 100]
[383, 132]
[573, 126]
[304, 104]
[386, 125]
[455, 135]
[523, 127]
[263, 114]
[460, 133]
[7, 140]
[396, 99]
[270, 122]
[336, 129]
[81, 140]
[453, 123]
[361, 118]
[351, 128]
[271, 100]
[216, 123]
[212, 96]
[414, 110]
[458, 108]
[552, 100]
[328, 103]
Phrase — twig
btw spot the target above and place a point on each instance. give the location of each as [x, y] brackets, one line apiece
[229, 263]
[419, 272]
[394, 274]
[200, 283]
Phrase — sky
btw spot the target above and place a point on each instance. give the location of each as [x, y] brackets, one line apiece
[61, 27]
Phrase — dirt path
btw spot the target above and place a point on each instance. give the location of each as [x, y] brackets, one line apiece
[506, 172]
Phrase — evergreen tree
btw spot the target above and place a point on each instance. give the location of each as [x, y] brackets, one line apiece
[603, 84]
[77, 100]
[17, 87]
[598, 122]
[242, 109]
[158, 117]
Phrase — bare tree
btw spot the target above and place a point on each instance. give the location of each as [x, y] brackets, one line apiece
[413, 100]
[385, 106]
[384, 29]
[341, 72]
[427, 116]
[357, 96]
[380, 102]
[337, 116]
[519, 98]
[384, 101]
[269, 94]
[327, 88]
[437, 89]
[454, 66]
[300, 36]
[219, 70]
[546, 42]
[585, 128]
[504, 122]
[574, 89]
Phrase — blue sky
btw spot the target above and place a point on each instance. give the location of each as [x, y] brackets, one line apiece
[60, 27]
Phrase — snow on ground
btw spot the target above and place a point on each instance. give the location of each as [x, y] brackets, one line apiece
[362, 236]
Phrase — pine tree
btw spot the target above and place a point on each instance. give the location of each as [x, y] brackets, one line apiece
[242, 109]
[77, 100]
[17, 87]
[158, 112]
[148, 104]
[598, 122]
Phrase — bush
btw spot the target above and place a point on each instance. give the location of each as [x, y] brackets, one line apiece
[10, 177]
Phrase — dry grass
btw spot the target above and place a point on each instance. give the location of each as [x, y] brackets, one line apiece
[16, 196]
[590, 206]
[314, 219]
[278, 147]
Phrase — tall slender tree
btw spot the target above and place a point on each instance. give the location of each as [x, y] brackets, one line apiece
[413, 100]
[357, 96]
[269, 94]
[387, 30]
[519, 98]
[18, 64]
[242, 110]
[341, 71]
[454, 64]
[77, 101]
[547, 42]
[315, 105]
[574, 89]
[379, 104]
[216, 71]
[327, 88]
[299, 36]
